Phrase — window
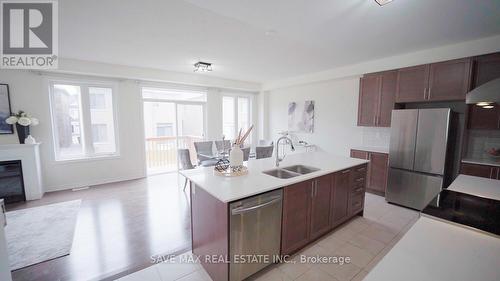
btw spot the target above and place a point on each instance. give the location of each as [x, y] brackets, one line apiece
[83, 120]
[228, 120]
[236, 115]
[99, 133]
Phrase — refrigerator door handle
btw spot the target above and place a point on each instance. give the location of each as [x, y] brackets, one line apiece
[4, 212]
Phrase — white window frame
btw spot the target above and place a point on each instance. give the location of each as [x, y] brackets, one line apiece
[235, 110]
[86, 125]
[176, 103]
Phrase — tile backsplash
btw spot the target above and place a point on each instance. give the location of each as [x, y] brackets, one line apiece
[376, 137]
[480, 141]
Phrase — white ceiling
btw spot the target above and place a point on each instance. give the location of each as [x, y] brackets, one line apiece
[310, 35]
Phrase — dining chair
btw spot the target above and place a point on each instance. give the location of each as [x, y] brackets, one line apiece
[246, 153]
[185, 162]
[264, 151]
[204, 150]
[265, 143]
[224, 145]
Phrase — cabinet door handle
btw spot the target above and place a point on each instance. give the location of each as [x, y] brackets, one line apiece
[312, 189]
[359, 189]
[315, 188]
[491, 173]
[425, 93]
[429, 93]
[346, 171]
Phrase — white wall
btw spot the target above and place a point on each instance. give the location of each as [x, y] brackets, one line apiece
[336, 107]
[29, 91]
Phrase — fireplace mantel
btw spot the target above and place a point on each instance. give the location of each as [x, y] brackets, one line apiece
[29, 155]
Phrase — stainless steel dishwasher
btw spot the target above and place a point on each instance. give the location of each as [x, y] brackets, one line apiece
[255, 232]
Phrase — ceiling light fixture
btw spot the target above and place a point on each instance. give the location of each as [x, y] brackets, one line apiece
[383, 2]
[483, 103]
[488, 106]
[202, 66]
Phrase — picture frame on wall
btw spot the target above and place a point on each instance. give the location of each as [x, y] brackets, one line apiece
[5, 110]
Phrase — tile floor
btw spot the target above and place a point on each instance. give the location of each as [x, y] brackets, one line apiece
[365, 240]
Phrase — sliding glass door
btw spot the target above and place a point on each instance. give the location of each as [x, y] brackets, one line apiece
[170, 125]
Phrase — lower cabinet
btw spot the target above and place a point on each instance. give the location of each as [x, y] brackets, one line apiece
[483, 171]
[320, 206]
[340, 197]
[378, 170]
[296, 217]
[314, 207]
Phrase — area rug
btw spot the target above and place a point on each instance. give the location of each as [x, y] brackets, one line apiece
[41, 233]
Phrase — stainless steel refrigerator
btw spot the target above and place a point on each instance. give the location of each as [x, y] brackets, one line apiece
[417, 155]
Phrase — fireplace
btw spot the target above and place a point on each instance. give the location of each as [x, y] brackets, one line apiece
[11, 181]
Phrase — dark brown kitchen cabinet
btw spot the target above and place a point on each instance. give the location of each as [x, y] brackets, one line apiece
[340, 197]
[296, 217]
[412, 82]
[378, 170]
[484, 118]
[314, 207]
[376, 99]
[442, 81]
[320, 206]
[369, 89]
[449, 80]
[359, 154]
[483, 171]
[387, 98]
[485, 69]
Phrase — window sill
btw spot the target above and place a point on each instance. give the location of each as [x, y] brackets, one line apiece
[88, 158]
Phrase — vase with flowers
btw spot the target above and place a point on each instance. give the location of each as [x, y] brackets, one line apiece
[23, 121]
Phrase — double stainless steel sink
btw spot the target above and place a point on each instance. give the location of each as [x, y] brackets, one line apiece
[290, 171]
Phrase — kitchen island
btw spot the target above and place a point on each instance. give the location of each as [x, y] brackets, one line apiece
[295, 212]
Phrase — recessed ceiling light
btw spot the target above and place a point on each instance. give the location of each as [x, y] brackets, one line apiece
[483, 103]
[488, 106]
[202, 66]
[383, 2]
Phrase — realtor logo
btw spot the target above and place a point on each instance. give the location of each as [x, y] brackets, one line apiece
[29, 34]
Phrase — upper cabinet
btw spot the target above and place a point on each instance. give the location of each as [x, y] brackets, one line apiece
[449, 80]
[411, 84]
[376, 99]
[486, 68]
[443, 81]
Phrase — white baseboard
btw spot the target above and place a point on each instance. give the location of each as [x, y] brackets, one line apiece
[93, 182]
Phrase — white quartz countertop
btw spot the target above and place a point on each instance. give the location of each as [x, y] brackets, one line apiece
[434, 250]
[482, 187]
[378, 149]
[228, 189]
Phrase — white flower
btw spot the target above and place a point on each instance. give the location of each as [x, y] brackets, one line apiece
[11, 120]
[24, 121]
[34, 121]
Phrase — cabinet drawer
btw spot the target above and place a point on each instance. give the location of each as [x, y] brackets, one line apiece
[359, 171]
[358, 189]
[356, 203]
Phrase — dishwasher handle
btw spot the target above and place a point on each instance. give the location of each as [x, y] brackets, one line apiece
[242, 210]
